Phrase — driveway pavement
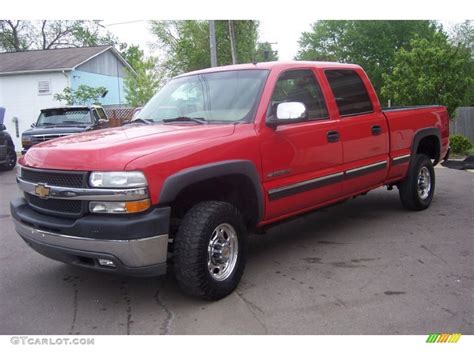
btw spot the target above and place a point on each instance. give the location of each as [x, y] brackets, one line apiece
[363, 267]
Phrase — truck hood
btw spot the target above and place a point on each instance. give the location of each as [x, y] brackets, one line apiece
[54, 130]
[112, 148]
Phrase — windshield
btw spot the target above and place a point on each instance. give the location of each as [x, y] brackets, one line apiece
[219, 97]
[63, 117]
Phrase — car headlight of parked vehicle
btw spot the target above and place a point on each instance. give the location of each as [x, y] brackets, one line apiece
[118, 179]
[25, 140]
[133, 180]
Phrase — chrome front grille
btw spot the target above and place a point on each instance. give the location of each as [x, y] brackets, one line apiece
[44, 137]
[55, 177]
[57, 207]
[54, 206]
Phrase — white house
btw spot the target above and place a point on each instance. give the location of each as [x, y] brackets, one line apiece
[29, 80]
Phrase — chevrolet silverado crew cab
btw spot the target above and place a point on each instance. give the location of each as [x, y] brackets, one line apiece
[214, 155]
[62, 121]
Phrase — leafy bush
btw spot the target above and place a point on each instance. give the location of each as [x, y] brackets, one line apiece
[459, 144]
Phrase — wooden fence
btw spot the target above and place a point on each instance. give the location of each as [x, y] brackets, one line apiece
[463, 123]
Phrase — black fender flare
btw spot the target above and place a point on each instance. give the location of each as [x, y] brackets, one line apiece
[422, 133]
[175, 183]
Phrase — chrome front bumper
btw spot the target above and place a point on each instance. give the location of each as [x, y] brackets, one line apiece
[134, 253]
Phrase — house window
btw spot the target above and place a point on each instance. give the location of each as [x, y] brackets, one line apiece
[44, 87]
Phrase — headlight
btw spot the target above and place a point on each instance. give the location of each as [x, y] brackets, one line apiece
[25, 140]
[116, 179]
[119, 207]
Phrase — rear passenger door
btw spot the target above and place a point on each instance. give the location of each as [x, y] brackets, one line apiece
[363, 130]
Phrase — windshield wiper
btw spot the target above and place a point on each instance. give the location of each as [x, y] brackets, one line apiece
[200, 120]
[139, 120]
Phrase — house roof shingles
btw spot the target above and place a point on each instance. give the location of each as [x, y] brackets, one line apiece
[44, 60]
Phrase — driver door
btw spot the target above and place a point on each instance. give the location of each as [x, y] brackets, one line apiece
[301, 161]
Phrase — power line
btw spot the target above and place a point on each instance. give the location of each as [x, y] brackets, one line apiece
[124, 23]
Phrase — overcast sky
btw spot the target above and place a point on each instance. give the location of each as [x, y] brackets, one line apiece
[284, 33]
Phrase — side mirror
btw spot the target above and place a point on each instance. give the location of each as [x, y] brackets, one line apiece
[2, 127]
[291, 111]
[288, 112]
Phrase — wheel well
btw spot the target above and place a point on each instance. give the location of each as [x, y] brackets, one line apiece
[430, 146]
[236, 189]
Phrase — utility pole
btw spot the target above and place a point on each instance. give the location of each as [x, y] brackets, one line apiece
[212, 40]
[232, 42]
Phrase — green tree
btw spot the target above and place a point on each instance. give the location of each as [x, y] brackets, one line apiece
[186, 43]
[369, 43]
[463, 33]
[432, 71]
[141, 83]
[83, 95]
[265, 52]
[132, 54]
[20, 35]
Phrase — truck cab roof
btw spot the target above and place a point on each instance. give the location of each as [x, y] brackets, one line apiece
[72, 107]
[281, 65]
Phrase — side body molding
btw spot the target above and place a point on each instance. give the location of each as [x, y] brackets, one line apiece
[174, 184]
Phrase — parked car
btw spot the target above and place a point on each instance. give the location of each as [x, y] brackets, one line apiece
[257, 144]
[7, 148]
[62, 121]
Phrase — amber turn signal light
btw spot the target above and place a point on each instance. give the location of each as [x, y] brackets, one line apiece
[137, 206]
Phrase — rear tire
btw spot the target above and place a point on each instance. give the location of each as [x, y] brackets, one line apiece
[417, 190]
[10, 160]
[210, 250]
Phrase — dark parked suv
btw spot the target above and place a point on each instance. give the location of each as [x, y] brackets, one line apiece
[7, 149]
[62, 121]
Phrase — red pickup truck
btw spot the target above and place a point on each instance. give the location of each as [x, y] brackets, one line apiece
[216, 154]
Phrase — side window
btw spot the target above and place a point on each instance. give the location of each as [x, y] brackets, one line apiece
[96, 115]
[299, 86]
[349, 92]
[102, 114]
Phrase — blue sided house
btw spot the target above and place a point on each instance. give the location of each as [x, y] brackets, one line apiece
[30, 79]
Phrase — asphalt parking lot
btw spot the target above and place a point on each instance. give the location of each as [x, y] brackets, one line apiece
[363, 267]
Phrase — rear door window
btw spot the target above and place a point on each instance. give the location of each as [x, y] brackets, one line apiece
[349, 92]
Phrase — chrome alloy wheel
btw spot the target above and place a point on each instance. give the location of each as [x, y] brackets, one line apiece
[424, 183]
[222, 251]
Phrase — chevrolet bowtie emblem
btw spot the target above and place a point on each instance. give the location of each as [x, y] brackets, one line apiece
[42, 191]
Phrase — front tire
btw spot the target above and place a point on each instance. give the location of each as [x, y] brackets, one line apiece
[10, 160]
[417, 190]
[210, 250]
